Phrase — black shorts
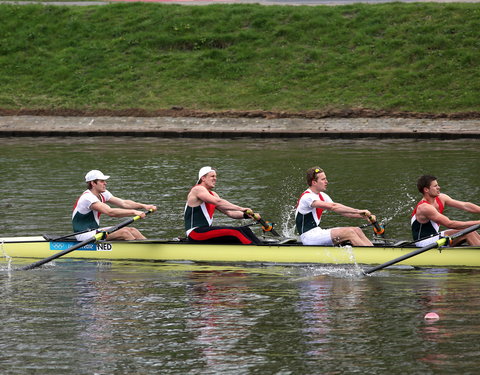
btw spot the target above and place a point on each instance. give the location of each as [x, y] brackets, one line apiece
[242, 235]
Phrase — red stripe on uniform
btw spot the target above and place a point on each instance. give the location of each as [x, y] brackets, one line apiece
[437, 199]
[215, 233]
[210, 207]
[319, 210]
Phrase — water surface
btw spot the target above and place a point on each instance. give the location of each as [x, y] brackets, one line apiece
[43, 177]
[85, 317]
[103, 318]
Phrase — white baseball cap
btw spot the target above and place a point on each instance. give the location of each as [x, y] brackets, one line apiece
[203, 171]
[95, 175]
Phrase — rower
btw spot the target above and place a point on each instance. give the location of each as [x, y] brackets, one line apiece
[310, 207]
[92, 203]
[427, 217]
[201, 204]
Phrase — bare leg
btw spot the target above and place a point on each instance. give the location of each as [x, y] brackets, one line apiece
[126, 234]
[473, 238]
[136, 233]
[352, 234]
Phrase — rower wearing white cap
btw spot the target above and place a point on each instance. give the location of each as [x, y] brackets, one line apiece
[91, 204]
[202, 201]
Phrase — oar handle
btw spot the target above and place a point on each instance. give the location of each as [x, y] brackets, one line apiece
[266, 226]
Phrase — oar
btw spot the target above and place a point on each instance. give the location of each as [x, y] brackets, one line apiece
[267, 227]
[68, 235]
[441, 242]
[365, 225]
[377, 228]
[96, 237]
[408, 243]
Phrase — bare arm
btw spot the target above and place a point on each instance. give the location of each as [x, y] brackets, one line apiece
[427, 212]
[116, 212]
[129, 204]
[465, 206]
[341, 209]
[200, 194]
[234, 214]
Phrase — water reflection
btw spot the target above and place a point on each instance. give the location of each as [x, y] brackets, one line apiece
[314, 307]
[133, 317]
[218, 299]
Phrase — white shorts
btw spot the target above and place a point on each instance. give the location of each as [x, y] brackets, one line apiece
[89, 235]
[317, 236]
[430, 240]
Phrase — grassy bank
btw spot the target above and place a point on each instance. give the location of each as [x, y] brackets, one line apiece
[409, 57]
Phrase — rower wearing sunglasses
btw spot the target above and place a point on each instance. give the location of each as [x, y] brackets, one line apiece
[310, 207]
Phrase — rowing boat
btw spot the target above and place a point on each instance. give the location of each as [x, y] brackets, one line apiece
[270, 252]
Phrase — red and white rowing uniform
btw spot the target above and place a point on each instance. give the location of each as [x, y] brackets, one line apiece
[429, 230]
[84, 217]
[308, 218]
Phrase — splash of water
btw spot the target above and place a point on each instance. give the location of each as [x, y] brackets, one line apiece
[287, 216]
[8, 258]
[401, 207]
[346, 271]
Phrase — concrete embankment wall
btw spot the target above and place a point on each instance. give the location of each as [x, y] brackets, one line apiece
[175, 127]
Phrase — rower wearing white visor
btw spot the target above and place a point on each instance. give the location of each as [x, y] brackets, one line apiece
[201, 204]
[93, 202]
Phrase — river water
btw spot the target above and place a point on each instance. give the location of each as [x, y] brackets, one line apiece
[87, 317]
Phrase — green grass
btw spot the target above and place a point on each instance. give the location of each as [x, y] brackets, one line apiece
[410, 57]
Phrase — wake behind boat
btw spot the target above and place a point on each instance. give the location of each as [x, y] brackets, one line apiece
[269, 252]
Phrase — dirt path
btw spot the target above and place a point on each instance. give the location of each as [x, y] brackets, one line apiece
[224, 127]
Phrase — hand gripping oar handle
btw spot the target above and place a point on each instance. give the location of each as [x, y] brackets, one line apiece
[97, 237]
[267, 227]
[441, 242]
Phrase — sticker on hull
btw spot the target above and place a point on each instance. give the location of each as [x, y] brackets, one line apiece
[60, 246]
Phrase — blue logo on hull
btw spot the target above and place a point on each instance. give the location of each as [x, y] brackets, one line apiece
[60, 246]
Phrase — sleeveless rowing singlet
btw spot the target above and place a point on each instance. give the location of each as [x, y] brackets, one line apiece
[420, 230]
[200, 216]
[83, 217]
[307, 217]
